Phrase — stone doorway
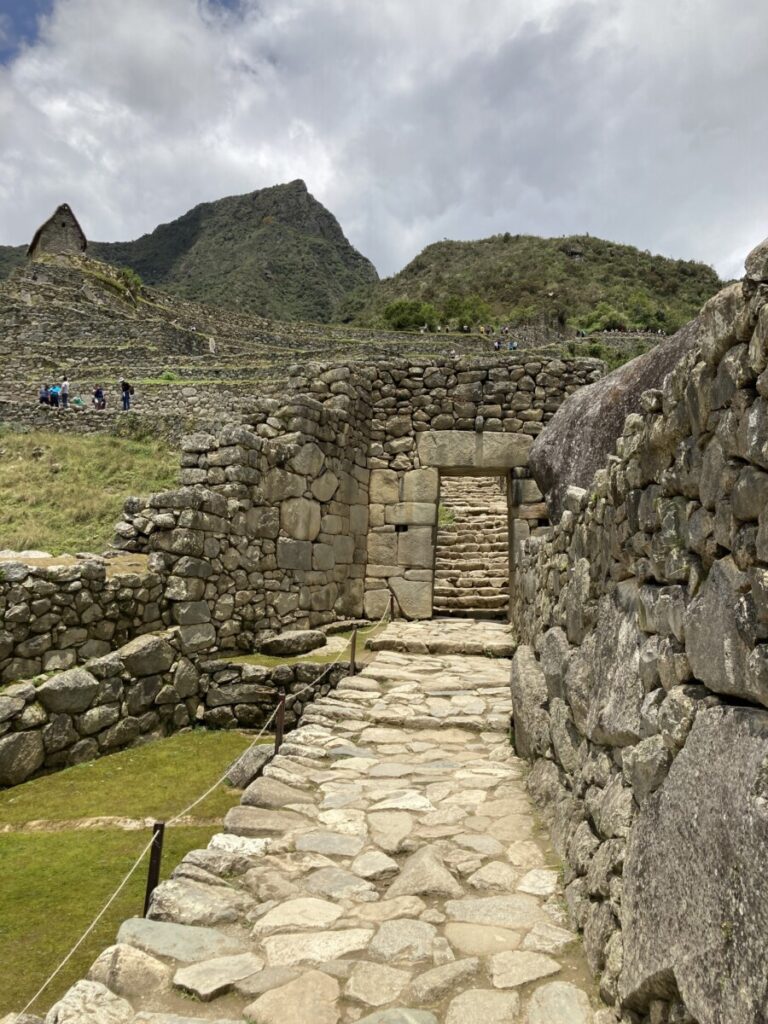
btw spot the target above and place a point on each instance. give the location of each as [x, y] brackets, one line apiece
[472, 549]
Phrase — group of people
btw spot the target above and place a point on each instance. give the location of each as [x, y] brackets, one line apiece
[57, 395]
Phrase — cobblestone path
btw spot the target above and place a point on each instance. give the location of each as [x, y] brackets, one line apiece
[387, 869]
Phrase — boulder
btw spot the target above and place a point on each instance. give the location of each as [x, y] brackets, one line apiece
[89, 1002]
[695, 905]
[583, 432]
[293, 642]
[130, 972]
[21, 754]
[147, 656]
[69, 692]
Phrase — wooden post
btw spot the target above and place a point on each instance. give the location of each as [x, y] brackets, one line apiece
[155, 857]
[280, 721]
[353, 652]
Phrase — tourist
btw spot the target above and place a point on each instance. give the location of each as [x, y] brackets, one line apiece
[44, 395]
[53, 395]
[99, 398]
[64, 393]
[126, 391]
[496, 345]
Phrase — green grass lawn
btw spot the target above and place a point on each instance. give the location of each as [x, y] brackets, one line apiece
[70, 497]
[54, 883]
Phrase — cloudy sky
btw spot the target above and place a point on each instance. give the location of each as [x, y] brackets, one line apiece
[642, 121]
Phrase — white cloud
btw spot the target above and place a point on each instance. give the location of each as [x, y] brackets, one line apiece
[410, 119]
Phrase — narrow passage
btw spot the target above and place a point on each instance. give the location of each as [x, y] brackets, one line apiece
[386, 869]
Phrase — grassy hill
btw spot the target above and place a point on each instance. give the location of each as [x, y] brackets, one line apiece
[276, 252]
[580, 281]
[66, 492]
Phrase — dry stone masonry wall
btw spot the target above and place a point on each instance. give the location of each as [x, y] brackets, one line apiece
[320, 506]
[146, 689]
[463, 417]
[640, 686]
[59, 616]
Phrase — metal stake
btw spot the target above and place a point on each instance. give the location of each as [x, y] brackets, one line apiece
[155, 856]
[280, 721]
[353, 651]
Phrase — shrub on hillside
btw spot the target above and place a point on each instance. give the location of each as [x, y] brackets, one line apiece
[410, 315]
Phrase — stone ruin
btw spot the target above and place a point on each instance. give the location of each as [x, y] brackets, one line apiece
[639, 686]
[318, 510]
[59, 235]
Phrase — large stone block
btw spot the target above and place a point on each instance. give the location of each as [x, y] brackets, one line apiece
[382, 547]
[384, 487]
[413, 597]
[415, 547]
[421, 485]
[375, 603]
[529, 700]
[464, 450]
[197, 638]
[721, 630]
[695, 904]
[325, 486]
[583, 432]
[70, 692]
[279, 484]
[262, 522]
[294, 554]
[300, 518]
[187, 613]
[406, 513]
[147, 655]
[616, 691]
[309, 460]
[21, 754]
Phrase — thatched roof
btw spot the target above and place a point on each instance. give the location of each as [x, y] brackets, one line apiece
[64, 210]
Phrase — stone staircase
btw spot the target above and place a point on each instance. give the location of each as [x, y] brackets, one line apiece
[472, 561]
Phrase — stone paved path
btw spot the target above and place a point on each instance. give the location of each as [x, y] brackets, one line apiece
[386, 869]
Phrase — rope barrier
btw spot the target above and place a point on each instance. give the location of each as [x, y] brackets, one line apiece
[173, 820]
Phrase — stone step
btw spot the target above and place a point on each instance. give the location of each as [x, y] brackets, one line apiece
[472, 601]
[450, 593]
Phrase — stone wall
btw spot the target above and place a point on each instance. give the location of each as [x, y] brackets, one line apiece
[146, 689]
[57, 617]
[468, 417]
[640, 685]
[269, 529]
[168, 424]
[276, 524]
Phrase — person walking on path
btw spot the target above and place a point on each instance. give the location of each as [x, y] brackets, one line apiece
[127, 391]
[44, 395]
[53, 395]
[64, 393]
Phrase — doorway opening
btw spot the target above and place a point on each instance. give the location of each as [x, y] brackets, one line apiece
[472, 551]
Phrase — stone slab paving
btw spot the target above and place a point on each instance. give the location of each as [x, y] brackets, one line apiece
[385, 869]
